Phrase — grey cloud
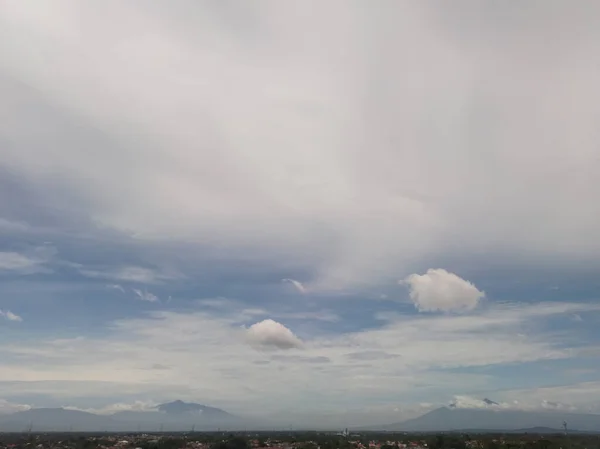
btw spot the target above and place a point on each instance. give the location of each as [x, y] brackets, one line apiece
[132, 274]
[371, 355]
[462, 143]
[160, 366]
[144, 295]
[301, 359]
[30, 261]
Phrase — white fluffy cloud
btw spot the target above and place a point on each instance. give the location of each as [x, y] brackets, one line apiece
[10, 316]
[271, 334]
[439, 290]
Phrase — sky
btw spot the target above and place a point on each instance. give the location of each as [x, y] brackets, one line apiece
[333, 212]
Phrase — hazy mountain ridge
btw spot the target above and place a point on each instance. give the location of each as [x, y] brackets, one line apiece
[452, 418]
[173, 416]
[182, 416]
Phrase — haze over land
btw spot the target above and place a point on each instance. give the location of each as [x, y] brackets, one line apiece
[178, 416]
[310, 212]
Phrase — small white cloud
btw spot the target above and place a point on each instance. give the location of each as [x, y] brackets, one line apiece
[440, 290]
[7, 314]
[7, 407]
[299, 286]
[271, 334]
[145, 295]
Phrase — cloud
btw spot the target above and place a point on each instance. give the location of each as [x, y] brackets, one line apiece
[13, 226]
[139, 275]
[469, 402]
[439, 290]
[7, 407]
[371, 355]
[297, 284]
[136, 406]
[160, 366]
[233, 150]
[581, 397]
[145, 295]
[10, 316]
[292, 132]
[21, 263]
[116, 287]
[527, 404]
[271, 334]
[14, 261]
[300, 359]
[429, 347]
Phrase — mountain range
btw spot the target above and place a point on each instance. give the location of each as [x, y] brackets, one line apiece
[172, 416]
[495, 419]
[183, 416]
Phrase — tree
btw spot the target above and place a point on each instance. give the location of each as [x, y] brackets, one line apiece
[233, 442]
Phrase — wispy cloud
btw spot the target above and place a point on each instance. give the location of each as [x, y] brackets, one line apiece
[408, 351]
[133, 274]
[12, 226]
[145, 295]
[297, 284]
[116, 287]
[12, 407]
[136, 406]
[25, 263]
[10, 316]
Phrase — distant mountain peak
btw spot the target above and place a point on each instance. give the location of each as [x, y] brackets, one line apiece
[178, 407]
[490, 402]
[495, 419]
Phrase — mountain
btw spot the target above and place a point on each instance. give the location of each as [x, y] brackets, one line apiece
[43, 419]
[447, 419]
[173, 416]
[180, 408]
[179, 415]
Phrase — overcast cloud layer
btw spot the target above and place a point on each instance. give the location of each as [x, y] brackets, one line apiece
[326, 209]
